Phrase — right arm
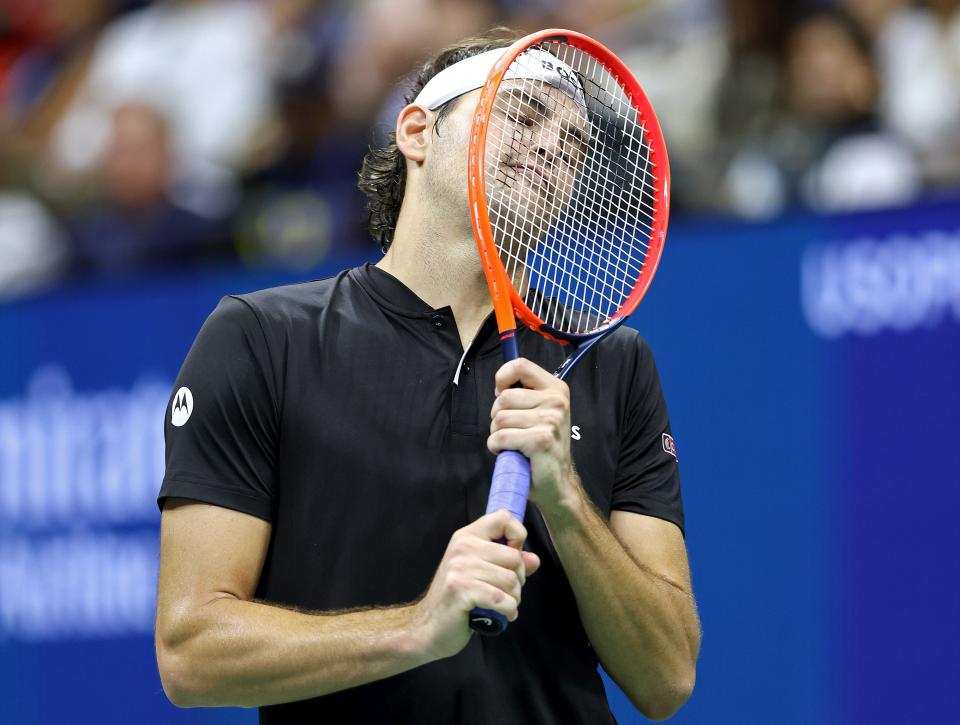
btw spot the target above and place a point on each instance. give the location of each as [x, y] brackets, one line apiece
[217, 646]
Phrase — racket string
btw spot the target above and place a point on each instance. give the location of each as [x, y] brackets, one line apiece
[582, 216]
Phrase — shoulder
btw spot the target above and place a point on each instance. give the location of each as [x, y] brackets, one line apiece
[625, 363]
[292, 302]
[627, 347]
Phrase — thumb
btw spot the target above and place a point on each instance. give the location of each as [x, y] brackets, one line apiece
[500, 525]
[531, 561]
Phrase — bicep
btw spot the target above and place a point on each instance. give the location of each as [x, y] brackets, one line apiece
[206, 552]
[655, 544]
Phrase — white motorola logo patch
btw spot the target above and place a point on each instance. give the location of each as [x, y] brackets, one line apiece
[182, 407]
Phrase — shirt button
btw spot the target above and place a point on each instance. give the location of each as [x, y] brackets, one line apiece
[466, 369]
[437, 321]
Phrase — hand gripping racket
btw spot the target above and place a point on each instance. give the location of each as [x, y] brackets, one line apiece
[569, 194]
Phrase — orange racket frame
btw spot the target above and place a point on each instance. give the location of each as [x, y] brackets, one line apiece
[507, 303]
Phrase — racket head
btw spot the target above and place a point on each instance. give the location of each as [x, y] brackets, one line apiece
[569, 186]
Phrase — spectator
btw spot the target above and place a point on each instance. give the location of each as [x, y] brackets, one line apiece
[822, 146]
[136, 224]
[385, 39]
[918, 57]
[204, 64]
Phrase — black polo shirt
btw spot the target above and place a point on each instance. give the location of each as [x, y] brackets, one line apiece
[330, 410]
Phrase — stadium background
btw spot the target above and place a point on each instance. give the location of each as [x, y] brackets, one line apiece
[806, 318]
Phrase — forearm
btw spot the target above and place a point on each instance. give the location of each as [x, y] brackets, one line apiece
[231, 652]
[643, 627]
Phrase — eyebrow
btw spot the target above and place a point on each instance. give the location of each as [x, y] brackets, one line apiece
[526, 97]
[523, 96]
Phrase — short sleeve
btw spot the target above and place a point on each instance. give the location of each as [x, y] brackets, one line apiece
[648, 475]
[221, 426]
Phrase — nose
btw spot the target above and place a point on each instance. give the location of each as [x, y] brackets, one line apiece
[548, 143]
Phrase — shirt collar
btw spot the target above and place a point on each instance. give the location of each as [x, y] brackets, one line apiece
[392, 294]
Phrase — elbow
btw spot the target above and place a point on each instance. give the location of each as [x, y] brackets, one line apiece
[662, 701]
[667, 701]
[175, 678]
[182, 683]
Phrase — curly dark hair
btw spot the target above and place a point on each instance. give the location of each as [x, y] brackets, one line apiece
[383, 175]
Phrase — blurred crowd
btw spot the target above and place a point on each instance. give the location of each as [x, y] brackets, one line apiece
[138, 134]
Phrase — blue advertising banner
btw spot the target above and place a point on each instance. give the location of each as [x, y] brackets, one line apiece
[810, 366]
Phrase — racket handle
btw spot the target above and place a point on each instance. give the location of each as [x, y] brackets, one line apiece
[510, 485]
[508, 490]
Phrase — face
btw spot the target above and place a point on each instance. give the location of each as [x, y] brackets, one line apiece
[536, 143]
[831, 80]
[136, 168]
[445, 171]
[536, 146]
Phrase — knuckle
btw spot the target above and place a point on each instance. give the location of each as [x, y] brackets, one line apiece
[551, 417]
[456, 562]
[515, 530]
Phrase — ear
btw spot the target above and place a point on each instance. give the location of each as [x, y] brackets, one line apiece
[413, 132]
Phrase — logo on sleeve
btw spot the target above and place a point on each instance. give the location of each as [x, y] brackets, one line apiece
[668, 445]
[182, 407]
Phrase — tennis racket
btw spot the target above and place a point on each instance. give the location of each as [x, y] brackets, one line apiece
[569, 184]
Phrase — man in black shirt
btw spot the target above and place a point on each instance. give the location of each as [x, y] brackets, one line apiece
[322, 534]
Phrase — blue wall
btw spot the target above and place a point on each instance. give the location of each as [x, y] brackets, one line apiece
[811, 370]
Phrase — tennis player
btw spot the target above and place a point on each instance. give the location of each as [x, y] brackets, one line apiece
[329, 451]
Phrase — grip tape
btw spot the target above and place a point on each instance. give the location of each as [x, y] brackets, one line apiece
[509, 490]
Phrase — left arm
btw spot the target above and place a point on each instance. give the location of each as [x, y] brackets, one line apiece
[630, 578]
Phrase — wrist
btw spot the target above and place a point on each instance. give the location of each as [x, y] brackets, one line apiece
[418, 636]
[567, 507]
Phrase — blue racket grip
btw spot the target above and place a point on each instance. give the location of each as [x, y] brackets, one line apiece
[508, 490]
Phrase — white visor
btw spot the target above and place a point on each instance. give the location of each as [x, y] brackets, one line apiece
[471, 73]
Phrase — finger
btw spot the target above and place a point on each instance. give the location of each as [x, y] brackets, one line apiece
[498, 525]
[502, 555]
[531, 563]
[487, 596]
[502, 578]
[516, 419]
[529, 441]
[475, 570]
[522, 371]
[521, 399]
[515, 533]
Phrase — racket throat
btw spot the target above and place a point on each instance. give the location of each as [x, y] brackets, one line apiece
[508, 344]
[575, 356]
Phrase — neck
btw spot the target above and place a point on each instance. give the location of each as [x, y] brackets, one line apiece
[439, 263]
